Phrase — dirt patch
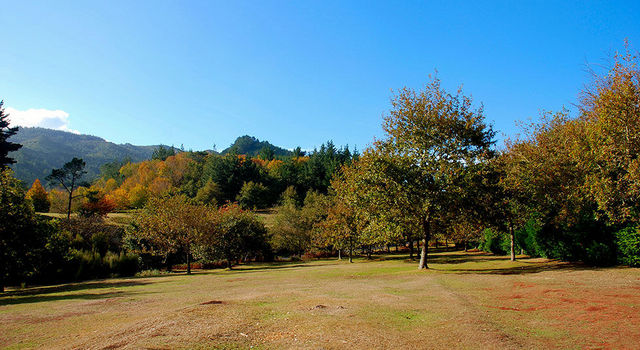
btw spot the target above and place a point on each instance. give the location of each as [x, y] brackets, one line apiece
[212, 302]
[526, 309]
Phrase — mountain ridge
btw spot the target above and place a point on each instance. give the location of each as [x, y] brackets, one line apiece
[45, 149]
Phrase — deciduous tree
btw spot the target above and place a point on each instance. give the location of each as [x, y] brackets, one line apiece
[39, 197]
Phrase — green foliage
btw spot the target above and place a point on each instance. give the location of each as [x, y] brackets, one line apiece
[68, 177]
[293, 228]
[600, 254]
[21, 237]
[92, 265]
[251, 146]
[236, 234]
[162, 152]
[628, 244]
[45, 149]
[495, 242]
[111, 170]
[290, 197]
[267, 153]
[210, 193]
[5, 145]
[526, 238]
[253, 196]
[229, 173]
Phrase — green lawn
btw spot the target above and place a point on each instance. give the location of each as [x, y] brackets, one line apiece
[466, 300]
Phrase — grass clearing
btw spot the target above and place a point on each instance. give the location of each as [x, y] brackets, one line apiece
[466, 300]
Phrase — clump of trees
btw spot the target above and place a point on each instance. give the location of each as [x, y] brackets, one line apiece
[210, 178]
[569, 188]
[174, 225]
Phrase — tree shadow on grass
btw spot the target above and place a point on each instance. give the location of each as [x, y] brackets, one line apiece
[529, 268]
[22, 299]
[463, 258]
[38, 294]
[249, 268]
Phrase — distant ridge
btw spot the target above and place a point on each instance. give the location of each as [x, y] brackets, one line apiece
[45, 149]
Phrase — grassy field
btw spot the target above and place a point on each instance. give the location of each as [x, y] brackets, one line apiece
[466, 300]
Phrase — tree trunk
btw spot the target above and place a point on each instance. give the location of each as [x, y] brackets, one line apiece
[188, 261]
[513, 248]
[350, 250]
[426, 229]
[168, 262]
[396, 247]
[339, 254]
[368, 252]
[1, 274]
[69, 206]
[229, 263]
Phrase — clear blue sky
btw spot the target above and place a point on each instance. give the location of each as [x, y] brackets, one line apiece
[200, 73]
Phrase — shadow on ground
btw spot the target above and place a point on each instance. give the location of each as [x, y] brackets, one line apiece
[446, 256]
[39, 294]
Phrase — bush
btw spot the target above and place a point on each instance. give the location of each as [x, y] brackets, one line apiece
[600, 254]
[526, 238]
[91, 265]
[122, 264]
[628, 244]
[495, 243]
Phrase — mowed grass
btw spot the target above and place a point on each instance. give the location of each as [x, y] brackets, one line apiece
[466, 300]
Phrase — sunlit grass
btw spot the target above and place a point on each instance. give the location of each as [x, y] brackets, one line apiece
[466, 300]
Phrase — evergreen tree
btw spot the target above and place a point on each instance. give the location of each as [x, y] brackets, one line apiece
[5, 133]
[68, 176]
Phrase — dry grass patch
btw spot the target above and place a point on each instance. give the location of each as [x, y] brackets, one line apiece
[467, 300]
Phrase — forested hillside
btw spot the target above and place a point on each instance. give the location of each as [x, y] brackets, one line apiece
[46, 149]
[251, 146]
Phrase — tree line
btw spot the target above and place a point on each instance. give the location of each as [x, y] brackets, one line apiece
[568, 187]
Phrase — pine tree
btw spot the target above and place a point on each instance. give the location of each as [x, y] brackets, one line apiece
[5, 133]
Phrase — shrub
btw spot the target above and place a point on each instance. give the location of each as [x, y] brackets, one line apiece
[495, 243]
[600, 254]
[91, 265]
[628, 244]
[122, 264]
[526, 238]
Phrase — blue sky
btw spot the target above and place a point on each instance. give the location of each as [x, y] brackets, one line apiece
[201, 73]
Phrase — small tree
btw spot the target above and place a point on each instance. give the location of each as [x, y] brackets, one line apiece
[39, 197]
[171, 224]
[234, 234]
[162, 152]
[97, 204]
[68, 176]
[5, 145]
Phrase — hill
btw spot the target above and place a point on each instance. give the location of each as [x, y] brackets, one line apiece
[251, 146]
[46, 149]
